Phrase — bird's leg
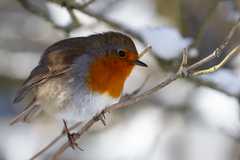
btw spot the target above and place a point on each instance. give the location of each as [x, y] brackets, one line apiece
[71, 136]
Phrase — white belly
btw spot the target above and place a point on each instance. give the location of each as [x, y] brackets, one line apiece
[71, 103]
[82, 108]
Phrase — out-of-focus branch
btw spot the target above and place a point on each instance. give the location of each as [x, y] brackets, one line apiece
[203, 25]
[101, 18]
[75, 22]
[26, 4]
[35, 10]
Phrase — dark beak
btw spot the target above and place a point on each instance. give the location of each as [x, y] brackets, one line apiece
[140, 63]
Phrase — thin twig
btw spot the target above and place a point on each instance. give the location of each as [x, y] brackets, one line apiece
[217, 52]
[148, 48]
[26, 4]
[216, 67]
[182, 72]
[184, 62]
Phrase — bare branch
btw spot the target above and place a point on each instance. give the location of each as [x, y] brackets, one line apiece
[35, 10]
[183, 71]
[184, 63]
[216, 67]
[217, 52]
[148, 48]
[101, 18]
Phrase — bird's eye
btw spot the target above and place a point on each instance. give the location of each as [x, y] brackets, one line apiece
[121, 53]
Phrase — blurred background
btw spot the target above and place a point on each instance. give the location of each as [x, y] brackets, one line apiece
[190, 119]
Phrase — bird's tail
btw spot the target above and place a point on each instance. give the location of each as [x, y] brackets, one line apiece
[29, 113]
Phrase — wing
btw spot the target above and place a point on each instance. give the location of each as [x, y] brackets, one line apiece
[38, 76]
[55, 61]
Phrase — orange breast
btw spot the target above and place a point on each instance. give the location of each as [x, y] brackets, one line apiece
[107, 75]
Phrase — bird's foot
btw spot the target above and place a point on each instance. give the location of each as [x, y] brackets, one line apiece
[71, 137]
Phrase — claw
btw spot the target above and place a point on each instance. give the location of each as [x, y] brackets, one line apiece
[71, 137]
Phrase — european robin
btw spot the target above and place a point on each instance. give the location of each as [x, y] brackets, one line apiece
[78, 77]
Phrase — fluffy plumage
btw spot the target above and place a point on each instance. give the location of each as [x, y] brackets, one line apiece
[58, 82]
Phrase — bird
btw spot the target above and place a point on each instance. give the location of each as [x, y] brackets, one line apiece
[78, 77]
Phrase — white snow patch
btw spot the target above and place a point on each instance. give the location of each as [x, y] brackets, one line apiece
[217, 109]
[225, 79]
[167, 42]
[59, 14]
[17, 65]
